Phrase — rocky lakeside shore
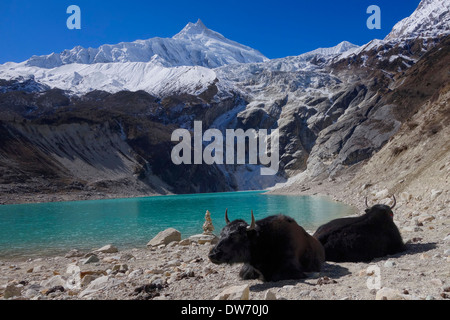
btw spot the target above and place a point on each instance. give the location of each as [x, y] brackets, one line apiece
[179, 269]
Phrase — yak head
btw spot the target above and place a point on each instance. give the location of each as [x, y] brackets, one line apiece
[234, 242]
[381, 208]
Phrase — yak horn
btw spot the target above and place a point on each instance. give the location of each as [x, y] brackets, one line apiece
[253, 224]
[395, 202]
[226, 216]
[367, 206]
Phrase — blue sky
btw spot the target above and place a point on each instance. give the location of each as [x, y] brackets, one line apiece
[276, 28]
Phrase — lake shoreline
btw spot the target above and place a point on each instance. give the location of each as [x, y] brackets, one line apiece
[180, 272]
[52, 228]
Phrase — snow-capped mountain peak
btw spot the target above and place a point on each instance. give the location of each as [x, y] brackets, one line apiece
[430, 19]
[342, 47]
[194, 29]
[157, 65]
[195, 45]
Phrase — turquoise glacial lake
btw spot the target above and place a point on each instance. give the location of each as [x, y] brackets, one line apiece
[31, 230]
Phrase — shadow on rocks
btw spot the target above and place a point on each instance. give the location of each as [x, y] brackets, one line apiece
[415, 247]
[328, 273]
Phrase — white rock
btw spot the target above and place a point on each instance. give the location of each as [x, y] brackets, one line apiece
[381, 194]
[204, 238]
[234, 293]
[269, 295]
[135, 273]
[389, 294]
[435, 193]
[72, 268]
[165, 237]
[53, 282]
[389, 264]
[425, 218]
[94, 286]
[405, 197]
[98, 283]
[74, 253]
[109, 248]
[39, 268]
[31, 293]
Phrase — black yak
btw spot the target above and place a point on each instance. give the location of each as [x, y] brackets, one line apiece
[274, 248]
[361, 239]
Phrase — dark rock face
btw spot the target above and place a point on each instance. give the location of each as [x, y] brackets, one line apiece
[98, 142]
[52, 141]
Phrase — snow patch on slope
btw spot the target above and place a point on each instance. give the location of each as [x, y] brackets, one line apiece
[430, 19]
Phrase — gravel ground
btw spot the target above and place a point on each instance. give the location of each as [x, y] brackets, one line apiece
[181, 271]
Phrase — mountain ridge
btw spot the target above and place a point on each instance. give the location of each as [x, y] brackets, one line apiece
[334, 109]
[194, 45]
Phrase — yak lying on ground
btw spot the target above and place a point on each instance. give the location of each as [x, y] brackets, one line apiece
[276, 248]
[361, 239]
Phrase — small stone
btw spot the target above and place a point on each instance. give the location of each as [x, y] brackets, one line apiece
[126, 256]
[74, 253]
[304, 293]
[53, 282]
[425, 218]
[94, 286]
[269, 295]
[39, 268]
[31, 293]
[120, 268]
[109, 248]
[173, 263]
[234, 293]
[154, 271]
[135, 273]
[389, 264]
[325, 280]
[381, 194]
[185, 242]
[12, 290]
[389, 294]
[87, 279]
[91, 259]
[405, 197]
[55, 289]
[72, 268]
[204, 238]
[435, 193]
